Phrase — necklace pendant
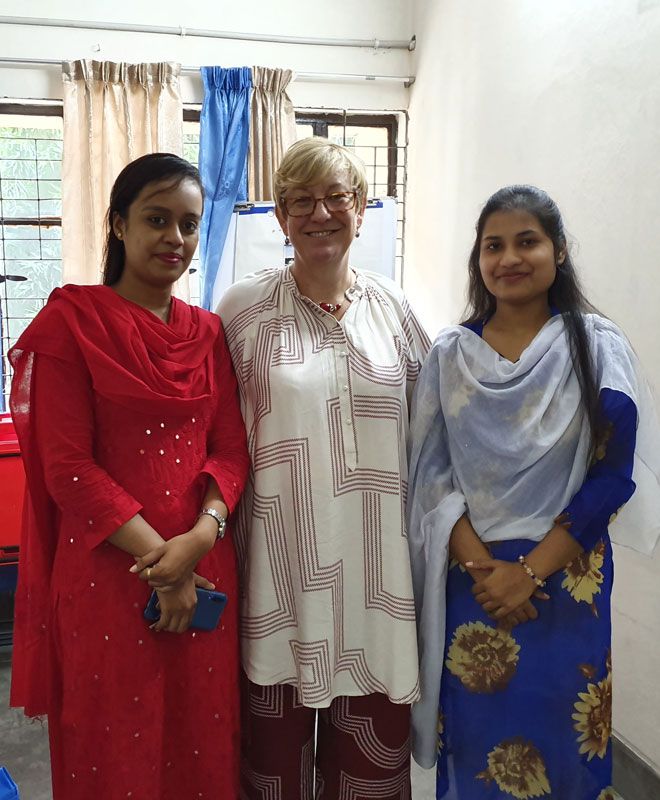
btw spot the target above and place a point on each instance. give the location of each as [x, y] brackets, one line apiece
[330, 307]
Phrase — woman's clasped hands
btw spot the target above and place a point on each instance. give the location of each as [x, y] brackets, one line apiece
[169, 569]
[505, 591]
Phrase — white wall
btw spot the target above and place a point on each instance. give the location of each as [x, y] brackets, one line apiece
[565, 95]
[369, 19]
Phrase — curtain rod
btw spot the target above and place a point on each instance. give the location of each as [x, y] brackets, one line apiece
[376, 44]
[310, 77]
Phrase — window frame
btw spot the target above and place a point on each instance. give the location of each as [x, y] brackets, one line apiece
[321, 120]
[49, 109]
[32, 110]
[191, 112]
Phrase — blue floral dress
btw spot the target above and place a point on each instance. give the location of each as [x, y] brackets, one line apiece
[526, 713]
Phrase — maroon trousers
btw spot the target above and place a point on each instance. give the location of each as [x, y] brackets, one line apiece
[361, 750]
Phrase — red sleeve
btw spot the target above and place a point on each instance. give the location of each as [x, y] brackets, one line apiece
[228, 459]
[64, 424]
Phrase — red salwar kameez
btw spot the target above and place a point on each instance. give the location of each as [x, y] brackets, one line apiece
[119, 413]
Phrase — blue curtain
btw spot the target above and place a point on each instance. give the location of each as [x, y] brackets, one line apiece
[223, 146]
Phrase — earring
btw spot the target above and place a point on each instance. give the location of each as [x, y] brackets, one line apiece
[357, 233]
[118, 235]
[287, 241]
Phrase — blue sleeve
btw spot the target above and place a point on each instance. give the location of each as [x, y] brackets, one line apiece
[608, 484]
[476, 327]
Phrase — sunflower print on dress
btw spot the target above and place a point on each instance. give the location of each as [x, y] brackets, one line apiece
[593, 715]
[483, 658]
[441, 729]
[584, 577]
[518, 768]
[601, 448]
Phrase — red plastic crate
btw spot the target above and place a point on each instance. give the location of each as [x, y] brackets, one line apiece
[12, 485]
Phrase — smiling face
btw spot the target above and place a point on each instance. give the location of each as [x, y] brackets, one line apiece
[160, 232]
[321, 237]
[517, 259]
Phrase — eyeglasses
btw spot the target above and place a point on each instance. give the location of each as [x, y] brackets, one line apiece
[303, 206]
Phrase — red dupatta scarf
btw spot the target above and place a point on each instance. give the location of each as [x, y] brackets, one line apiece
[134, 359]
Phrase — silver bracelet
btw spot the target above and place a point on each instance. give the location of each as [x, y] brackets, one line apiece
[217, 516]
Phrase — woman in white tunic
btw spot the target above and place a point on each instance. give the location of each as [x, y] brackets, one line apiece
[531, 429]
[326, 358]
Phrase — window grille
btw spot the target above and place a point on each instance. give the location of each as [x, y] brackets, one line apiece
[30, 223]
[31, 192]
[380, 140]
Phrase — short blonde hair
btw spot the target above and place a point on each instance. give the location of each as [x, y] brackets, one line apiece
[312, 160]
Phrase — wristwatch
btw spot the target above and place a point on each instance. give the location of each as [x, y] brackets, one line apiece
[217, 516]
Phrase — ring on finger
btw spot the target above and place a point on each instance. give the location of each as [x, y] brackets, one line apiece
[149, 573]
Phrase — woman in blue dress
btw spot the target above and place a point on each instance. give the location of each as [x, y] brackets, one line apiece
[531, 430]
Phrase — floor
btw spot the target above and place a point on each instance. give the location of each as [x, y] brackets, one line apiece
[23, 743]
[24, 749]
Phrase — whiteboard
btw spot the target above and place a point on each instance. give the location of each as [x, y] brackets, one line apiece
[255, 240]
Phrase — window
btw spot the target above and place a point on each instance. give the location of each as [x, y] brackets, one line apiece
[375, 139]
[30, 219]
[31, 192]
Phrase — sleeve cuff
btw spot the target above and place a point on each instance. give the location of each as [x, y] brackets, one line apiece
[230, 488]
[99, 529]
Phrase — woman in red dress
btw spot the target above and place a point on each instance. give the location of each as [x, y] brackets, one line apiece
[126, 408]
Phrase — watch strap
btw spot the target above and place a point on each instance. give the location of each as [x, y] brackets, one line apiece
[217, 516]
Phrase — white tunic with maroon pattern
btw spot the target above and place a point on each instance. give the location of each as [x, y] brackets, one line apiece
[327, 594]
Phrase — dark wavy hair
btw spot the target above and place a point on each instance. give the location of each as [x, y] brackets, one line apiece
[128, 185]
[565, 294]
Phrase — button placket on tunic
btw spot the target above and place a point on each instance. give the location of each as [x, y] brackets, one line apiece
[342, 372]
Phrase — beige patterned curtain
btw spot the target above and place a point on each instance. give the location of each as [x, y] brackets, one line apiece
[272, 128]
[113, 113]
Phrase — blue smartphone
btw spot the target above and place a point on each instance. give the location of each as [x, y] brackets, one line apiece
[210, 606]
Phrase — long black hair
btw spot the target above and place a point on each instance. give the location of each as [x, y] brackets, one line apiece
[565, 294]
[128, 185]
